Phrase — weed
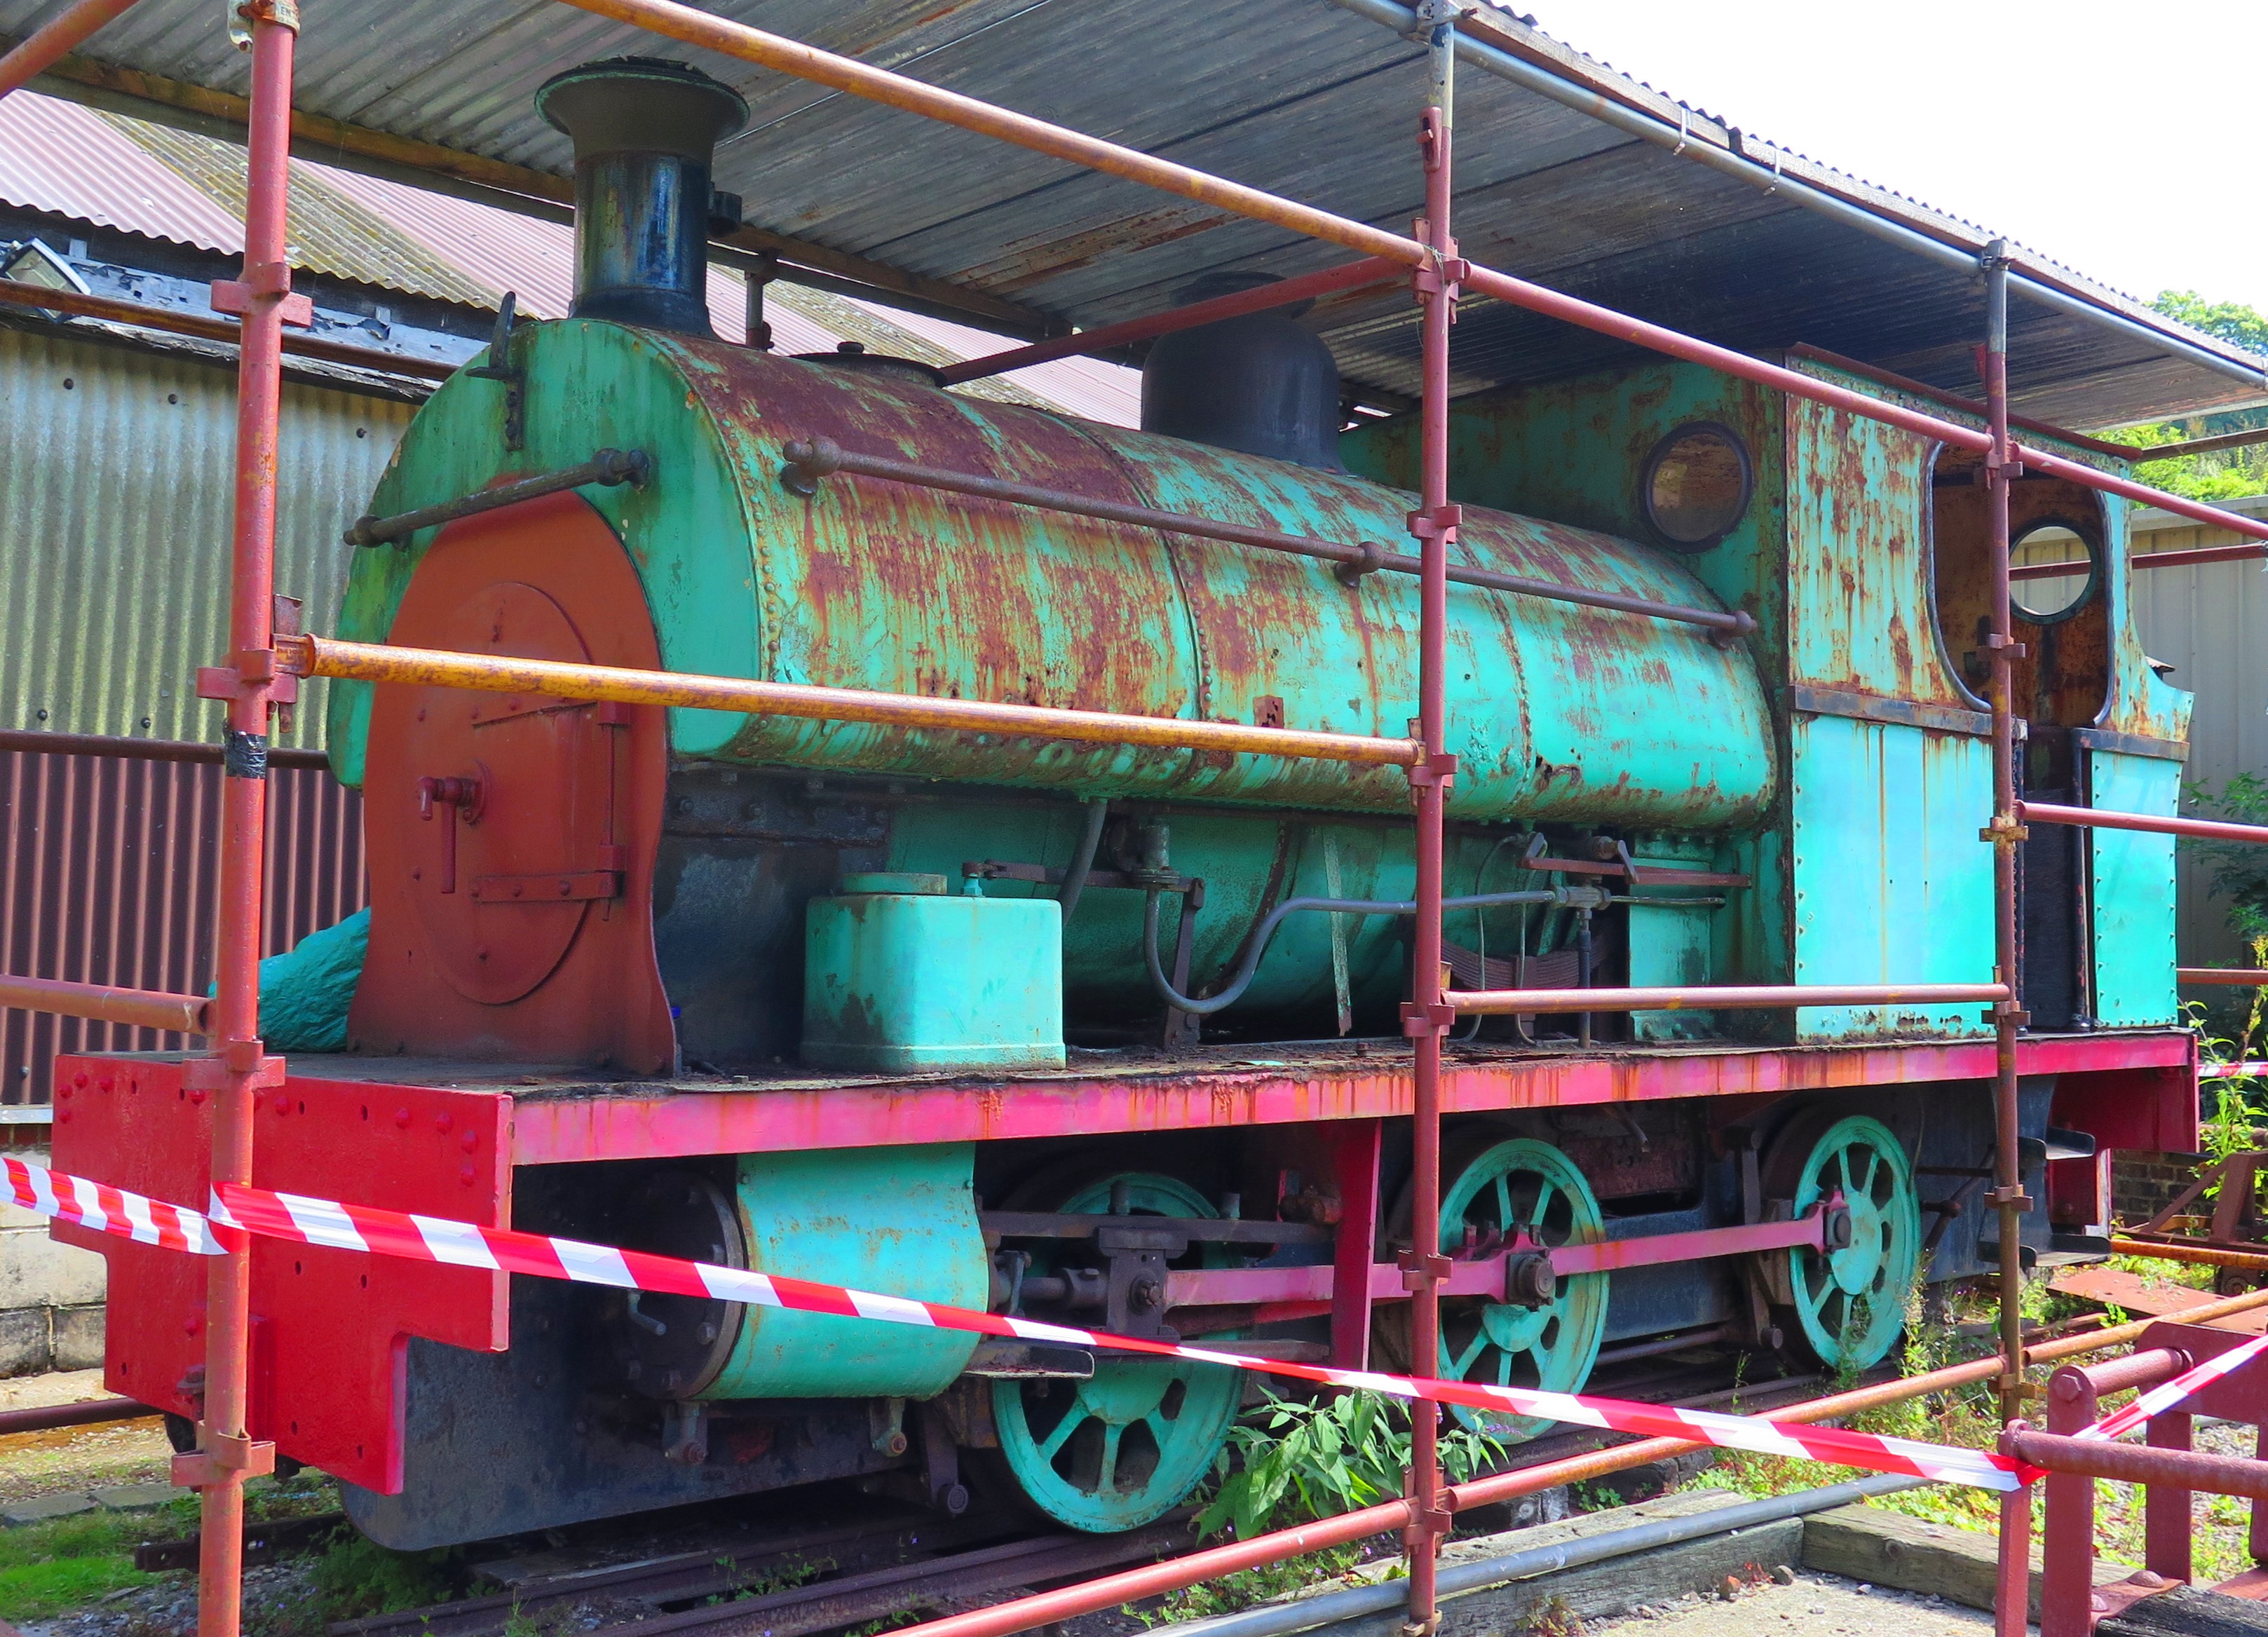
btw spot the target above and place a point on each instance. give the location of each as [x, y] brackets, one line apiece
[1551, 1618]
[1248, 1587]
[358, 1576]
[1317, 1458]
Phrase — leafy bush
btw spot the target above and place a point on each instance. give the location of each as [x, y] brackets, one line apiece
[1316, 1458]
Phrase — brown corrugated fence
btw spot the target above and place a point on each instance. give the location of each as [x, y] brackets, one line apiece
[108, 869]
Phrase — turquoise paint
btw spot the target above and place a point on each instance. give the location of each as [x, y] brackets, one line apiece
[900, 1221]
[2131, 891]
[1671, 946]
[1554, 710]
[1891, 884]
[908, 981]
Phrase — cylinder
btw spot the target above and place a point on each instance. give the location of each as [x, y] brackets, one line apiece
[645, 132]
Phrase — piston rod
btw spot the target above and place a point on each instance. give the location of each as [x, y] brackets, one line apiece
[807, 462]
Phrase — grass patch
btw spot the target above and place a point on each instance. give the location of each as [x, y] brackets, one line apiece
[357, 1577]
[46, 1568]
[1248, 1587]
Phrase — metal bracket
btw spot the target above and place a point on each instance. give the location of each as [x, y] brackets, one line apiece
[500, 367]
[1421, 1017]
[1419, 1271]
[1440, 768]
[887, 1418]
[235, 1058]
[222, 1453]
[264, 280]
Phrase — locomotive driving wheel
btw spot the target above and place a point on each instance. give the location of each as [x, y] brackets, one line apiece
[1124, 1446]
[1512, 1192]
[1850, 1303]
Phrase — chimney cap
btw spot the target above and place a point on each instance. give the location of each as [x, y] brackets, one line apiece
[598, 104]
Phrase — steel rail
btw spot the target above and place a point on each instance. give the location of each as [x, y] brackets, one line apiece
[1723, 997]
[131, 1008]
[1773, 179]
[18, 293]
[2102, 818]
[693, 27]
[89, 1413]
[1025, 1613]
[1105, 337]
[810, 460]
[2236, 977]
[377, 662]
[56, 39]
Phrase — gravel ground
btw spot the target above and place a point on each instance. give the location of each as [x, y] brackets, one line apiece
[279, 1601]
[1817, 1605]
[76, 1457]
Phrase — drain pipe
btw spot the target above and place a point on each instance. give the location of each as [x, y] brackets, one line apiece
[1281, 1619]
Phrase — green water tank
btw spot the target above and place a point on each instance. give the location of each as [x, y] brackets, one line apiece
[901, 977]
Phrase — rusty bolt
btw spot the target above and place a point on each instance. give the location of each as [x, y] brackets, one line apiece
[1145, 1293]
[1529, 1281]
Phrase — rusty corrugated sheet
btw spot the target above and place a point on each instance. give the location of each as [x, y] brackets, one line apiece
[108, 866]
[71, 161]
[115, 528]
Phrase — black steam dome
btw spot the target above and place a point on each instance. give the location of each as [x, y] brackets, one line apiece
[1259, 384]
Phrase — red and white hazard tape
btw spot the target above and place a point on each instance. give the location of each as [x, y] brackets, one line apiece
[464, 1244]
[2168, 1394]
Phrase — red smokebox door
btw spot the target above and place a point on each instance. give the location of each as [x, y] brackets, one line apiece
[511, 835]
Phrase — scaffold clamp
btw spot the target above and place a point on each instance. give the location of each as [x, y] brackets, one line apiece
[1439, 768]
[201, 1469]
[1420, 1018]
[1419, 1271]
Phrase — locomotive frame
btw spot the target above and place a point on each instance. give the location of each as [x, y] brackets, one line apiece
[443, 1142]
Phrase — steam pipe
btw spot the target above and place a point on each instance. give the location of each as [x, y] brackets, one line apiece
[1255, 945]
[808, 461]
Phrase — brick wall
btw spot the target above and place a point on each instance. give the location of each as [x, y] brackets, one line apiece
[2143, 1184]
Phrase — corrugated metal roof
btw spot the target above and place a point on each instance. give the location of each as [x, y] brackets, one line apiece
[141, 178]
[1298, 96]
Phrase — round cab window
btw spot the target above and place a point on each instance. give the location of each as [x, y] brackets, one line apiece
[2051, 573]
[1696, 485]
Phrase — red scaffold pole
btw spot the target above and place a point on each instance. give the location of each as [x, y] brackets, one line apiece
[60, 37]
[248, 681]
[1428, 1016]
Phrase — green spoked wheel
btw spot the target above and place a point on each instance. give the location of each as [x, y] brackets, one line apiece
[1125, 1447]
[1850, 1303]
[1501, 1190]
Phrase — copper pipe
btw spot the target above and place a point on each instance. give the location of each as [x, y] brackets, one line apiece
[48, 1417]
[133, 1008]
[2205, 1255]
[2236, 977]
[1154, 1579]
[2141, 1464]
[809, 460]
[226, 329]
[2104, 818]
[1726, 997]
[2005, 833]
[39, 743]
[1104, 338]
[56, 39]
[376, 662]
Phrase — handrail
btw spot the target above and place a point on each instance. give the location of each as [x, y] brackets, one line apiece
[135, 1008]
[117, 312]
[2104, 818]
[377, 663]
[808, 461]
[609, 467]
[1720, 998]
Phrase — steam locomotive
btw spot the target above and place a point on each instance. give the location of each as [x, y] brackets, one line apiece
[1108, 1034]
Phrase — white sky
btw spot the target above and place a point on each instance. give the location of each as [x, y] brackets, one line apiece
[2128, 142]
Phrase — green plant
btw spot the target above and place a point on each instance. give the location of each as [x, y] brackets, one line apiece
[1317, 1458]
[46, 1568]
[357, 1576]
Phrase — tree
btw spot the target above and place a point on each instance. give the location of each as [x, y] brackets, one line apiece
[2228, 474]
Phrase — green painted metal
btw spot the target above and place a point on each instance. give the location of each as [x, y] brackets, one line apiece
[1851, 1303]
[1891, 884]
[905, 981]
[1555, 711]
[1671, 946]
[1518, 1185]
[1127, 1445]
[899, 1220]
[2132, 891]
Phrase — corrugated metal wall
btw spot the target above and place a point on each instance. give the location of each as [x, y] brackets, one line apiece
[116, 474]
[114, 528]
[2209, 624]
[108, 868]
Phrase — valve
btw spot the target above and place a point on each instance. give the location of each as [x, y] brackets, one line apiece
[464, 798]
